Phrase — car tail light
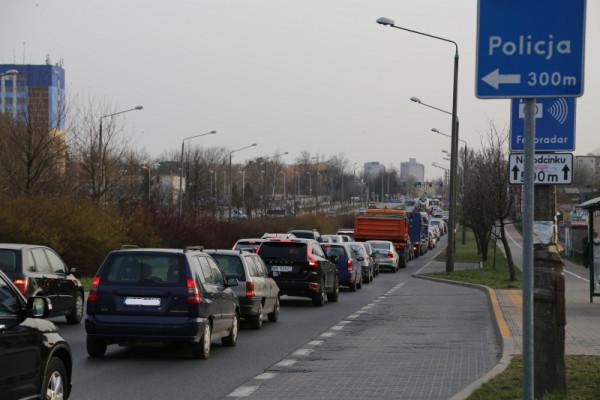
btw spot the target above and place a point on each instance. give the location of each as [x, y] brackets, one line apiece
[250, 289]
[312, 262]
[22, 285]
[193, 294]
[314, 286]
[349, 264]
[93, 295]
[390, 254]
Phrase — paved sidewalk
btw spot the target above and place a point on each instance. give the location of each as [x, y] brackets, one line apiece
[421, 340]
[582, 334]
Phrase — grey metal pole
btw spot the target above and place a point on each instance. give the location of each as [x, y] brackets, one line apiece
[453, 169]
[529, 189]
[230, 192]
[100, 159]
[181, 181]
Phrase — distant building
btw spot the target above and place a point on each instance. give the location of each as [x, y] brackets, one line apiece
[412, 169]
[373, 169]
[34, 95]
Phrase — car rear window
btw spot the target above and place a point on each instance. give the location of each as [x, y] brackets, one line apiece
[380, 245]
[145, 269]
[8, 260]
[339, 251]
[284, 250]
[230, 266]
[303, 234]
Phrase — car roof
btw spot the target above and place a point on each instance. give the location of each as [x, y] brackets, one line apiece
[252, 240]
[155, 250]
[227, 252]
[18, 246]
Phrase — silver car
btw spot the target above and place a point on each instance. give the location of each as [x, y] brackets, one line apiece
[385, 254]
[258, 293]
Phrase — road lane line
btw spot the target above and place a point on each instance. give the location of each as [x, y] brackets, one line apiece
[302, 352]
[265, 376]
[353, 316]
[327, 334]
[288, 362]
[499, 315]
[337, 328]
[243, 391]
[315, 343]
[344, 322]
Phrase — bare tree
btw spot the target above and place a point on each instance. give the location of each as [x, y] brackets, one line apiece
[33, 151]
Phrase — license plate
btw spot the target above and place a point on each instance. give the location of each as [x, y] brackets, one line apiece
[142, 301]
[282, 268]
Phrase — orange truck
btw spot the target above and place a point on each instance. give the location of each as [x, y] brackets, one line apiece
[385, 224]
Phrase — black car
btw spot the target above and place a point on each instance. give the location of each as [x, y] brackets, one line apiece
[161, 296]
[35, 361]
[306, 234]
[39, 271]
[301, 268]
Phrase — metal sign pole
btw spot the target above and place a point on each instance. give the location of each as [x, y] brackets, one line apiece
[528, 188]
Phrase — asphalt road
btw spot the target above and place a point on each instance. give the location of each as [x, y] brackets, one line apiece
[168, 372]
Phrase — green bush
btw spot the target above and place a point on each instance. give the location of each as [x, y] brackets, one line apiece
[80, 231]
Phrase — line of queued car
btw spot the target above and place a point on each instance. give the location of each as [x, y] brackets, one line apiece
[188, 297]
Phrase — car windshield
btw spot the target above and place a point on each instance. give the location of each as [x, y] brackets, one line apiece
[231, 266]
[304, 234]
[8, 260]
[247, 246]
[145, 269]
[358, 249]
[284, 250]
[331, 238]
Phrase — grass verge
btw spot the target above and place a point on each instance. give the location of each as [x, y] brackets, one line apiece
[492, 275]
[583, 381]
[86, 281]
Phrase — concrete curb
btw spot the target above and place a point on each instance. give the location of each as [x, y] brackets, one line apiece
[505, 339]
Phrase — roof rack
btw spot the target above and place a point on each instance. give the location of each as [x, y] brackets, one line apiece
[193, 248]
[129, 246]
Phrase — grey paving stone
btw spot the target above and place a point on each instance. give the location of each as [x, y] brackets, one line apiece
[426, 341]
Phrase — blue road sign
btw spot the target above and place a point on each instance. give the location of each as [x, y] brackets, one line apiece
[530, 48]
[554, 124]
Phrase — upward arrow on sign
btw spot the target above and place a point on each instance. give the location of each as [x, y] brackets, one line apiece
[565, 171]
[515, 171]
[495, 78]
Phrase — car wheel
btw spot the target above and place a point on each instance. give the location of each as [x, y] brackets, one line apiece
[56, 382]
[231, 340]
[335, 295]
[318, 299]
[96, 348]
[201, 350]
[76, 314]
[256, 321]
[353, 286]
[274, 315]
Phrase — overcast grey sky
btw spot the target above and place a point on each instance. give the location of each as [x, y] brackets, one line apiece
[292, 75]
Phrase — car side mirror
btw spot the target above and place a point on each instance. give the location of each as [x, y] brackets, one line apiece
[73, 271]
[38, 307]
[232, 282]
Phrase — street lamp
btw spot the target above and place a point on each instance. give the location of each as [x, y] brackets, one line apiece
[454, 147]
[230, 183]
[181, 167]
[418, 100]
[101, 146]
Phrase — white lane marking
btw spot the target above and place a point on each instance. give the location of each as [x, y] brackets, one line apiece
[302, 352]
[337, 328]
[327, 334]
[265, 376]
[315, 343]
[243, 391]
[566, 270]
[344, 322]
[288, 362]
[425, 266]
[576, 276]
[376, 301]
[353, 316]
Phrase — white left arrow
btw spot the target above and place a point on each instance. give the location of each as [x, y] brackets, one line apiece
[495, 78]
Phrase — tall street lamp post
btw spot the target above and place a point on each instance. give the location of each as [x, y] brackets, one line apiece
[230, 182]
[454, 148]
[101, 145]
[181, 167]
[464, 227]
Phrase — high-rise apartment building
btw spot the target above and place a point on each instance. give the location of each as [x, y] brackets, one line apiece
[412, 169]
[35, 94]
